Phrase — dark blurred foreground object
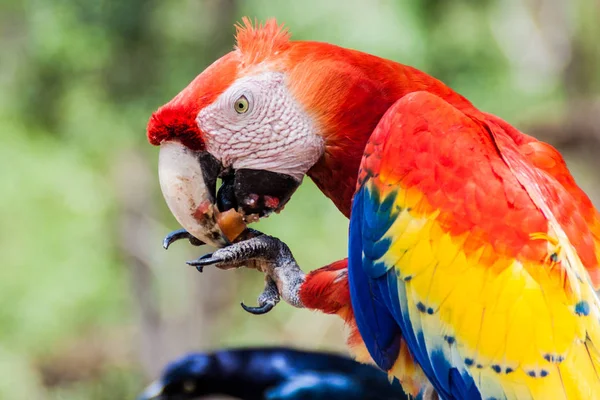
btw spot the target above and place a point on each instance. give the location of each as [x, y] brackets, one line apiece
[273, 374]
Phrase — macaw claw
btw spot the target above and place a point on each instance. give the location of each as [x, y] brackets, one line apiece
[256, 252]
[220, 259]
[267, 299]
[258, 310]
[178, 235]
[268, 255]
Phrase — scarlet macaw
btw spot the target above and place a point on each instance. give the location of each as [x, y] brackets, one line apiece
[473, 254]
[271, 373]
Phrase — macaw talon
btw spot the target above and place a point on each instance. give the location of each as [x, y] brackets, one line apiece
[258, 310]
[210, 259]
[178, 235]
[256, 249]
[221, 260]
[268, 255]
[267, 300]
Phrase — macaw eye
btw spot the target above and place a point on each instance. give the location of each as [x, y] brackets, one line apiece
[241, 105]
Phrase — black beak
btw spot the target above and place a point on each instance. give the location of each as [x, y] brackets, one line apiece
[211, 169]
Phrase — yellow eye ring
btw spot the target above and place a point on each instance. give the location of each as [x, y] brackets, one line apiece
[241, 105]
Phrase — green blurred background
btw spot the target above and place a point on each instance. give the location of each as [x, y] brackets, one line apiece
[91, 305]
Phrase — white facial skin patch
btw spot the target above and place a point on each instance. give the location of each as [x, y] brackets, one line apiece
[257, 124]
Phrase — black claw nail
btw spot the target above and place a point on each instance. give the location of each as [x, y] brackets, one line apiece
[173, 236]
[258, 310]
[178, 235]
[203, 261]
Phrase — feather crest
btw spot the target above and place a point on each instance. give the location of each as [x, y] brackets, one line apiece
[258, 42]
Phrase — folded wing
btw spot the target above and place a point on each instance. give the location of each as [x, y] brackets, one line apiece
[478, 255]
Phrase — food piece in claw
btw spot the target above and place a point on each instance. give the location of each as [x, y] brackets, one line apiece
[188, 183]
[232, 224]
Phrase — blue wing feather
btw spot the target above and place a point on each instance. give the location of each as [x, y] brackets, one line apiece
[378, 327]
[380, 300]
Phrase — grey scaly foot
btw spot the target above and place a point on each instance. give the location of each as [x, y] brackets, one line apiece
[268, 255]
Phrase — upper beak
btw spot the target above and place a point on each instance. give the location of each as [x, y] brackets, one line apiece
[153, 392]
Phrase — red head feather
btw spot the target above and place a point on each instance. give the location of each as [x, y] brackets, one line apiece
[177, 119]
[260, 42]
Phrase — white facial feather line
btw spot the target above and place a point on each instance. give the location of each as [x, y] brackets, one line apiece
[275, 134]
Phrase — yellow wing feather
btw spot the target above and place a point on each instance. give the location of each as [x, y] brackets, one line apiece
[516, 334]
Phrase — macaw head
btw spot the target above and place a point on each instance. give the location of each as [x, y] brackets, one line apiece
[263, 116]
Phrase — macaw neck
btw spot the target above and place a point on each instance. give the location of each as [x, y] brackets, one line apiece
[336, 178]
[369, 95]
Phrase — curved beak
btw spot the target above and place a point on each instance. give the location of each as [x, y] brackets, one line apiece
[153, 392]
